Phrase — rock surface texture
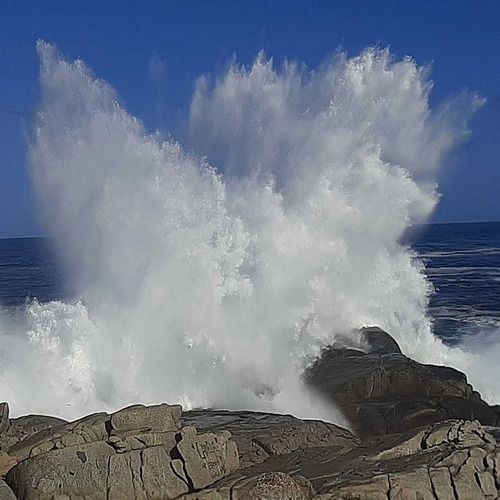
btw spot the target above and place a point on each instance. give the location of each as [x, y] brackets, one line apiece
[138, 452]
[382, 391]
[158, 452]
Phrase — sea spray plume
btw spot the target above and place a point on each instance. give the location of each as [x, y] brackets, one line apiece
[354, 151]
[213, 290]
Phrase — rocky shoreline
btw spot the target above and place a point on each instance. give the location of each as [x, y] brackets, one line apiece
[420, 432]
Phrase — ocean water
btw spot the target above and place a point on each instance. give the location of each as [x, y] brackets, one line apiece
[212, 272]
[28, 271]
[463, 263]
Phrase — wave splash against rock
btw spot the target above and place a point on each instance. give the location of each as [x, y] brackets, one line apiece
[214, 277]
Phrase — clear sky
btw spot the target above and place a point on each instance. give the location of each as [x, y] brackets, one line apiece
[152, 51]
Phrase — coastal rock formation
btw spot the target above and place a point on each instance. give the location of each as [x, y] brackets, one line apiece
[137, 452]
[382, 391]
[279, 457]
[446, 461]
[407, 447]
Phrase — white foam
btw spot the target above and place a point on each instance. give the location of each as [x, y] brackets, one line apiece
[213, 278]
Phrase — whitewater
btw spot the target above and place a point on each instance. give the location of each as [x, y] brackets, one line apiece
[212, 273]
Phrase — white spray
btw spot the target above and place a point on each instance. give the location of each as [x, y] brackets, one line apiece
[212, 278]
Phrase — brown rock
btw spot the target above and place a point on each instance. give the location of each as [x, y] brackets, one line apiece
[6, 463]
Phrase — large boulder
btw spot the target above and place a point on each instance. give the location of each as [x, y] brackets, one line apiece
[137, 452]
[382, 391]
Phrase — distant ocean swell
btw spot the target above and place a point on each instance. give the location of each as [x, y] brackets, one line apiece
[212, 273]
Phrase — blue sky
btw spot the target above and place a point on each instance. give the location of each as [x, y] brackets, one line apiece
[152, 52]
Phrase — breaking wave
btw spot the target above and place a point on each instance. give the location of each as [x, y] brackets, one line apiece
[212, 273]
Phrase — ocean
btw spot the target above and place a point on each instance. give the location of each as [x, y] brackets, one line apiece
[462, 261]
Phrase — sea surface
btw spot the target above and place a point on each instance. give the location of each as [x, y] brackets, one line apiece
[462, 261]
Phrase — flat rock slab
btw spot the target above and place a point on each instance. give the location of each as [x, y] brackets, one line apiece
[445, 461]
[159, 418]
[261, 435]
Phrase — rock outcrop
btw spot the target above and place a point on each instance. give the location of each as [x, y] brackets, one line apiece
[445, 461]
[382, 391]
[152, 452]
[137, 452]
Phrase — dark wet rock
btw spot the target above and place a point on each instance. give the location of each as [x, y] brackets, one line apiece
[382, 391]
[378, 341]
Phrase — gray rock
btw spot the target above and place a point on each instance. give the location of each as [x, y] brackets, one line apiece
[5, 492]
[159, 418]
[281, 457]
[273, 486]
[265, 486]
[4, 417]
[207, 457]
[432, 461]
[89, 429]
[145, 474]
[25, 427]
[77, 472]
[137, 452]
[261, 435]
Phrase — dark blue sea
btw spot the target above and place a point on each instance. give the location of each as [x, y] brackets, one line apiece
[462, 262]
